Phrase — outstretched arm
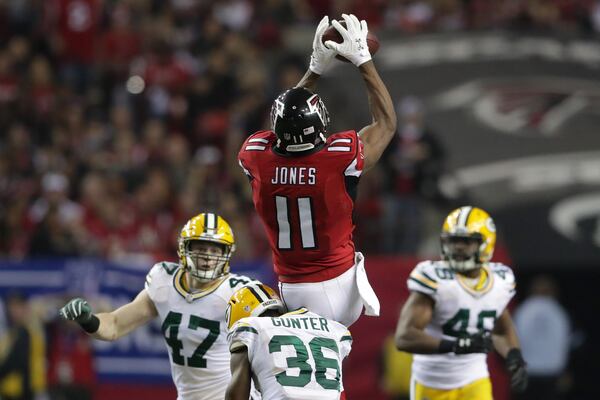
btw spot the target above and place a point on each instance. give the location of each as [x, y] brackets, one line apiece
[319, 59]
[380, 132]
[127, 318]
[239, 386]
[112, 325]
[309, 81]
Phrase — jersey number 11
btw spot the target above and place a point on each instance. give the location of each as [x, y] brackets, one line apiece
[305, 217]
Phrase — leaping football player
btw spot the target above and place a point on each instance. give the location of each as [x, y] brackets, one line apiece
[304, 183]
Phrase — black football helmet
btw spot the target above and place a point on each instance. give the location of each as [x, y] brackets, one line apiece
[299, 119]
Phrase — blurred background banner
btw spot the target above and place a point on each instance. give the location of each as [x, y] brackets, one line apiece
[517, 117]
[139, 357]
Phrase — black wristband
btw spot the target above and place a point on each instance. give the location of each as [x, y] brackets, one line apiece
[514, 354]
[91, 325]
[446, 346]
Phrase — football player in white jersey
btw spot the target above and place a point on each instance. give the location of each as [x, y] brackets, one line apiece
[289, 355]
[190, 298]
[456, 313]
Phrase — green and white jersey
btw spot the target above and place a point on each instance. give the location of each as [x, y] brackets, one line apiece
[295, 356]
[195, 330]
[459, 309]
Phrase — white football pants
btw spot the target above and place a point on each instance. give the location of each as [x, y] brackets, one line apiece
[341, 299]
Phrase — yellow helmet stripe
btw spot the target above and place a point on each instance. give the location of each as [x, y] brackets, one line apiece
[463, 217]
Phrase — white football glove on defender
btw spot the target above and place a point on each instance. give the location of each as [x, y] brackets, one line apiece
[354, 47]
[321, 55]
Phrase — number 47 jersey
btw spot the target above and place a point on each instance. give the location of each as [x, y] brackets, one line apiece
[194, 328]
[295, 356]
[305, 203]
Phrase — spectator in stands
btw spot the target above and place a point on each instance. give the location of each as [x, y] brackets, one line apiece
[545, 333]
[75, 26]
[71, 369]
[52, 237]
[23, 363]
[55, 193]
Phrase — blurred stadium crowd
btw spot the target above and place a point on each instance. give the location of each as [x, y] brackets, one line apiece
[119, 120]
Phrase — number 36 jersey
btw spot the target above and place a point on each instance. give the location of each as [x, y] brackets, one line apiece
[305, 203]
[195, 330]
[295, 356]
[459, 309]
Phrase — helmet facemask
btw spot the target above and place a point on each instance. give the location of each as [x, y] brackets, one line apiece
[206, 260]
[462, 251]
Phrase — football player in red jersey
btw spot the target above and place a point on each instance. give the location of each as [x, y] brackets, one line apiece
[304, 183]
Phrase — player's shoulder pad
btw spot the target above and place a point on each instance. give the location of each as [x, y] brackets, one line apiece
[232, 284]
[425, 277]
[258, 141]
[161, 273]
[504, 272]
[241, 334]
[346, 148]
[254, 145]
[349, 134]
[244, 325]
[236, 281]
[342, 142]
[347, 336]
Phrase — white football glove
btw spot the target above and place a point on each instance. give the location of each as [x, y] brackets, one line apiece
[354, 47]
[321, 55]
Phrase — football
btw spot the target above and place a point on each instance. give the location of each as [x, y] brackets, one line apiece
[332, 34]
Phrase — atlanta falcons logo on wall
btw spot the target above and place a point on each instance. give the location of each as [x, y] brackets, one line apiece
[578, 218]
[540, 106]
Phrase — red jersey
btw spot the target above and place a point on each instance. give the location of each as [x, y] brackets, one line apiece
[78, 23]
[305, 203]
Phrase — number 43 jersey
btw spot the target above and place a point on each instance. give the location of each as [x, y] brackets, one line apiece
[195, 331]
[459, 309]
[305, 203]
[295, 356]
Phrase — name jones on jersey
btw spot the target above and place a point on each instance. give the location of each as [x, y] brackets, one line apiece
[294, 176]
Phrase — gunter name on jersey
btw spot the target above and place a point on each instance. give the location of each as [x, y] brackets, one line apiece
[294, 176]
[317, 324]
